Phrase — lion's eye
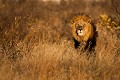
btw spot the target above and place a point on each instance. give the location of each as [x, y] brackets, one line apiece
[83, 25]
[77, 25]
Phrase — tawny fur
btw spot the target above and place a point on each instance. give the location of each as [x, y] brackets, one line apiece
[87, 27]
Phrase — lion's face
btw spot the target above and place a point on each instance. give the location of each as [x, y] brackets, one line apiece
[82, 29]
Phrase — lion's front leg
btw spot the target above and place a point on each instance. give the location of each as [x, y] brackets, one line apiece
[76, 43]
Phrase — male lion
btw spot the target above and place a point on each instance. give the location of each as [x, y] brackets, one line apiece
[83, 31]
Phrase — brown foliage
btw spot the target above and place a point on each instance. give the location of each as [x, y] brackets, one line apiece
[36, 44]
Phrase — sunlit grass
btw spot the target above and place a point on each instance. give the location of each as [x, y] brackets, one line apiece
[36, 44]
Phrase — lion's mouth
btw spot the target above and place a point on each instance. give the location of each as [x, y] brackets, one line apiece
[80, 32]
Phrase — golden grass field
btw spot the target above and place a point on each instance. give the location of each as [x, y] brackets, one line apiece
[36, 42]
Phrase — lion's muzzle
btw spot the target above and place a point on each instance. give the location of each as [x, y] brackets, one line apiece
[80, 32]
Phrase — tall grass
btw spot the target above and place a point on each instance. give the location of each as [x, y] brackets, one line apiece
[36, 44]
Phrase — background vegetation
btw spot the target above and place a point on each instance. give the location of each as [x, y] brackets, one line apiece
[36, 41]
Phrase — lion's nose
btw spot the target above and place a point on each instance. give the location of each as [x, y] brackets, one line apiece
[80, 29]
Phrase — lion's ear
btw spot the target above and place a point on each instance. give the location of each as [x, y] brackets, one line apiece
[89, 20]
[72, 21]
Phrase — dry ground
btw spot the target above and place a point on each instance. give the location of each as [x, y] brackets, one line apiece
[36, 44]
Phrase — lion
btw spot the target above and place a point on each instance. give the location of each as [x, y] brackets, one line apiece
[83, 31]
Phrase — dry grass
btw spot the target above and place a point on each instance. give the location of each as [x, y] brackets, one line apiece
[36, 44]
